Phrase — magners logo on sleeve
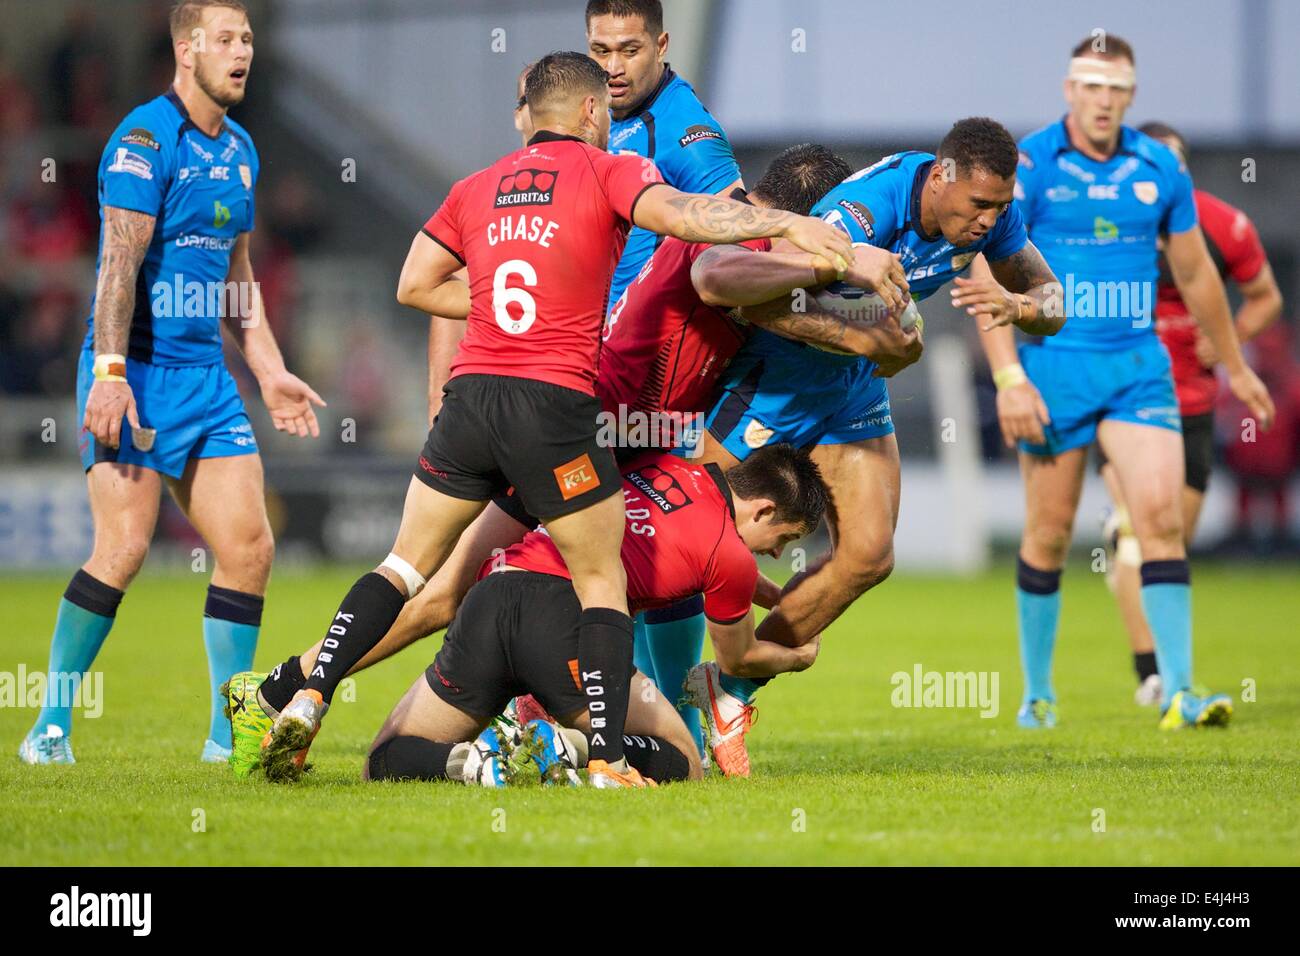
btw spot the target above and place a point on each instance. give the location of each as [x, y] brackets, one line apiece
[526, 187]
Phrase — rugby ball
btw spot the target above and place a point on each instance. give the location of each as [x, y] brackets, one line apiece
[861, 305]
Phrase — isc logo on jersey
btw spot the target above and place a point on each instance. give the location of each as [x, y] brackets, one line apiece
[526, 187]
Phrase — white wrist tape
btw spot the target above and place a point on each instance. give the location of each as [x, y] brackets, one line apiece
[412, 578]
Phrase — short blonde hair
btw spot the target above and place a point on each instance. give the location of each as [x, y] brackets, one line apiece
[187, 14]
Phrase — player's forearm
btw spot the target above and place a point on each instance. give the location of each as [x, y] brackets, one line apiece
[716, 219]
[245, 320]
[127, 235]
[1257, 313]
[1039, 298]
[444, 338]
[731, 276]
[1041, 311]
[999, 345]
[766, 592]
[766, 659]
[448, 299]
[823, 329]
[1207, 300]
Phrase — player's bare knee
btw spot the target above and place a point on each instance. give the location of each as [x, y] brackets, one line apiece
[122, 556]
[1046, 543]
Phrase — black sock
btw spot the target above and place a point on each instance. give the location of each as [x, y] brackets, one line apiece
[605, 663]
[656, 758]
[410, 758]
[282, 683]
[361, 621]
[93, 595]
[227, 604]
[1144, 662]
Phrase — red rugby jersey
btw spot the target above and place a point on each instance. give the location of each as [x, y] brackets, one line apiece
[680, 540]
[1236, 250]
[664, 348]
[540, 231]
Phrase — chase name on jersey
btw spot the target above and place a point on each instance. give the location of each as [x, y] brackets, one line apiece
[522, 229]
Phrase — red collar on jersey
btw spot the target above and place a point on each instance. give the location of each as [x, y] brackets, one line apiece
[715, 473]
[548, 136]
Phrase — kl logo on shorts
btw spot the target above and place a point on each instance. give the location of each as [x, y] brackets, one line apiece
[526, 187]
[576, 477]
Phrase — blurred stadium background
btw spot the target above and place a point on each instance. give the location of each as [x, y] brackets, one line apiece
[414, 94]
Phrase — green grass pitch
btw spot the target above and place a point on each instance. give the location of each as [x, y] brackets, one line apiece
[840, 775]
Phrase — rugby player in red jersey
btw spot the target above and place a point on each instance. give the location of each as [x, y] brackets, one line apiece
[690, 530]
[540, 232]
[1236, 250]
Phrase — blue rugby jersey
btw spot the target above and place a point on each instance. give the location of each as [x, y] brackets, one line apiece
[1097, 224]
[673, 129]
[200, 189]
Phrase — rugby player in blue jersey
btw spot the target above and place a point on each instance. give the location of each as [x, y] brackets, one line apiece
[655, 113]
[939, 213]
[1097, 196]
[154, 397]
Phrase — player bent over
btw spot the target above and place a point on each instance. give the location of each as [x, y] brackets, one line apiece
[539, 232]
[690, 530]
[176, 186]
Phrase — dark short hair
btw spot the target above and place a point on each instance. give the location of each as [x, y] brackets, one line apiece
[789, 478]
[1158, 130]
[800, 176]
[1111, 46]
[187, 14]
[561, 75]
[651, 12]
[978, 142]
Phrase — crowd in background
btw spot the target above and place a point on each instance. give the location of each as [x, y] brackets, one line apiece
[55, 120]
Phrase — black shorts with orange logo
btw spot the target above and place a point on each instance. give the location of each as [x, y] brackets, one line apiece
[515, 633]
[495, 431]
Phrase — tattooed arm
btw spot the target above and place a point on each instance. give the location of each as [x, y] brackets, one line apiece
[882, 340]
[127, 235]
[1019, 290]
[698, 218]
[728, 276]
[732, 275]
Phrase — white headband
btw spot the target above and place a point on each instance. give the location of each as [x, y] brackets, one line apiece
[1116, 73]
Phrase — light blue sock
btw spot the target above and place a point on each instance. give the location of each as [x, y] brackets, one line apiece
[743, 687]
[1167, 603]
[85, 617]
[675, 636]
[1038, 607]
[78, 636]
[231, 622]
[641, 657]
